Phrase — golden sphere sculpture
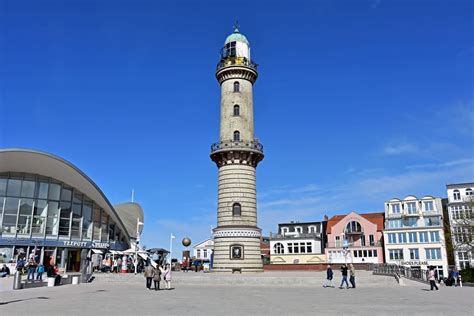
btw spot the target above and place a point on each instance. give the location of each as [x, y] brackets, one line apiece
[186, 242]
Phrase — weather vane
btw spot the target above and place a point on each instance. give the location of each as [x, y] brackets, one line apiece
[236, 26]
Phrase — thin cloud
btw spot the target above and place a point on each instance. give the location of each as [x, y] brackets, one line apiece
[401, 148]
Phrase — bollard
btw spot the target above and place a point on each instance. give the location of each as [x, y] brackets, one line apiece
[17, 281]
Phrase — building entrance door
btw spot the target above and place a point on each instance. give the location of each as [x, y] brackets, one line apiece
[74, 260]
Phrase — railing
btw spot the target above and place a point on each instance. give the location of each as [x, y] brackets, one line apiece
[394, 215]
[295, 235]
[400, 271]
[253, 145]
[353, 245]
[236, 61]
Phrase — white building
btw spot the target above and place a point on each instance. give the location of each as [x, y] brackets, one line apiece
[414, 235]
[460, 204]
[203, 250]
[298, 243]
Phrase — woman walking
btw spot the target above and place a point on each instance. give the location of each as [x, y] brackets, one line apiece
[352, 277]
[432, 279]
[167, 275]
[329, 276]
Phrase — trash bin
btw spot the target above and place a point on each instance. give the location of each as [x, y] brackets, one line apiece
[75, 280]
[51, 282]
[17, 281]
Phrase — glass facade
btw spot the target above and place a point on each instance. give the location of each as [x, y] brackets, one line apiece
[32, 206]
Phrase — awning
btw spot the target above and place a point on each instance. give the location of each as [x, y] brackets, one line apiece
[97, 251]
[143, 255]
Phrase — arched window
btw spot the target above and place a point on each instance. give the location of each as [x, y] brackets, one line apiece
[469, 191]
[456, 195]
[353, 227]
[236, 209]
[236, 110]
[236, 136]
[236, 86]
[278, 248]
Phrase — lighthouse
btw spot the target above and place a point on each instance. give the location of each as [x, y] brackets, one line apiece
[237, 154]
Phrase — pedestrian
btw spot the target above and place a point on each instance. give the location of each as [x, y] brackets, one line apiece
[432, 278]
[4, 271]
[52, 272]
[344, 276]
[456, 277]
[148, 274]
[31, 269]
[157, 278]
[39, 272]
[352, 276]
[329, 276]
[167, 275]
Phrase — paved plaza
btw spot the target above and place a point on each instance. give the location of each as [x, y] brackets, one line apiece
[270, 293]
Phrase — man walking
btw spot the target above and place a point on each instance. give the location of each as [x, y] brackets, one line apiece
[352, 276]
[344, 276]
[329, 276]
[149, 274]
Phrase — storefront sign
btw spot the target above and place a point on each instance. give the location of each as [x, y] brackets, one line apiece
[100, 245]
[414, 263]
[80, 244]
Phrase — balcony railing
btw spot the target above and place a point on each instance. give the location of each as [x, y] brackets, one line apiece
[354, 245]
[254, 145]
[394, 215]
[236, 61]
[295, 235]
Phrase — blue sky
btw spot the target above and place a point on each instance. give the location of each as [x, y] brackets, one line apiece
[356, 102]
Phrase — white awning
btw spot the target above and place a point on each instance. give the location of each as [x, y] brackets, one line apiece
[143, 255]
[97, 251]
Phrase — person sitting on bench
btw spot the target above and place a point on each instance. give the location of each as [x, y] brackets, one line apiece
[51, 273]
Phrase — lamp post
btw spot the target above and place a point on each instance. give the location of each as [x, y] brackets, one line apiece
[171, 247]
[135, 262]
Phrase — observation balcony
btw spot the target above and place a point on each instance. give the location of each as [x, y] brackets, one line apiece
[236, 61]
[254, 145]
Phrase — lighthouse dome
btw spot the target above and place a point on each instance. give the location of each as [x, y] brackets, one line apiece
[236, 36]
[236, 46]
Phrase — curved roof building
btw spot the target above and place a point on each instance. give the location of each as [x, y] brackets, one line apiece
[49, 208]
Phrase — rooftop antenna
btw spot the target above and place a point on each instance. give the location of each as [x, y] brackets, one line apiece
[133, 195]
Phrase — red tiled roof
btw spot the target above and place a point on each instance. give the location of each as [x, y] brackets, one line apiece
[376, 218]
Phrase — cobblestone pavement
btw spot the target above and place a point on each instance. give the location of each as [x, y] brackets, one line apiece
[270, 293]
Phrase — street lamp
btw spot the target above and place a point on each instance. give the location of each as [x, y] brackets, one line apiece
[171, 247]
[135, 262]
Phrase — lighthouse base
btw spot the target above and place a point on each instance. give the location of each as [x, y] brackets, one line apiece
[237, 250]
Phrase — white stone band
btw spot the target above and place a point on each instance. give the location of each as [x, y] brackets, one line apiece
[237, 232]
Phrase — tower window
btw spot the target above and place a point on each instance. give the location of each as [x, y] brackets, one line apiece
[236, 209]
[236, 136]
[236, 86]
[236, 110]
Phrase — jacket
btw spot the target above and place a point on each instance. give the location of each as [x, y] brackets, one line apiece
[329, 274]
[157, 275]
[431, 275]
[149, 272]
[166, 273]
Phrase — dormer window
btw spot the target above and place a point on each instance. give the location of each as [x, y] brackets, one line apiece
[428, 206]
[456, 195]
[299, 229]
[284, 230]
[469, 192]
[395, 208]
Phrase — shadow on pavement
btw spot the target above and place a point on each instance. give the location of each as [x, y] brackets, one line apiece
[26, 299]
